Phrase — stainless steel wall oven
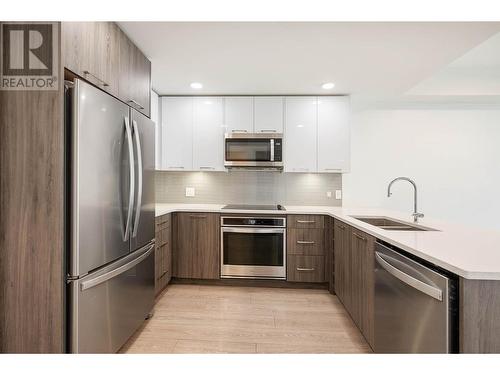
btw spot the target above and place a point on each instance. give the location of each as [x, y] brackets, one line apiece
[253, 247]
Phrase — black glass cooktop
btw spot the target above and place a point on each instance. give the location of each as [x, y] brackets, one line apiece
[254, 207]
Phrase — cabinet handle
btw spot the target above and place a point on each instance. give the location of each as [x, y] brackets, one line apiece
[341, 227]
[300, 269]
[170, 167]
[209, 168]
[87, 73]
[268, 131]
[306, 221]
[198, 216]
[135, 103]
[239, 131]
[333, 169]
[161, 223]
[305, 242]
[360, 237]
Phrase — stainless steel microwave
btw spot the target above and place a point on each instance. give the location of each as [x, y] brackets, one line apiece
[253, 150]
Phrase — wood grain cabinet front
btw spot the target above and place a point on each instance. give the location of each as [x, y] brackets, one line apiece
[306, 268]
[354, 275]
[305, 241]
[91, 50]
[102, 54]
[196, 252]
[306, 221]
[163, 252]
[134, 68]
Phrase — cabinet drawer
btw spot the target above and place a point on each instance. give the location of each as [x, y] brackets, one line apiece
[305, 241]
[306, 221]
[306, 268]
[162, 222]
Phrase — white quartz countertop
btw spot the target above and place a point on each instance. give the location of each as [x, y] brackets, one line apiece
[470, 253]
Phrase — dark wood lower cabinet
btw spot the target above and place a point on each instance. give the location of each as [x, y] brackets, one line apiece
[362, 279]
[342, 265]
[354, 278]
[196, 252]
[163, 252]
[306, 268]
[479, 316]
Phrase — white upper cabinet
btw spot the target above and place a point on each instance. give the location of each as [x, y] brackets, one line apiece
[238, 114]
[300, 137]
[268, 114]
[333, 134]
[177, 133]
[208, 140]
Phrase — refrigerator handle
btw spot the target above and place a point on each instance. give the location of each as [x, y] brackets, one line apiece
[117, 271]
[139, 178]
[132, 180]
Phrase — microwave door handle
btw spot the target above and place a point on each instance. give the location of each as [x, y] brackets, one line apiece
[272, 149]
[139, 178]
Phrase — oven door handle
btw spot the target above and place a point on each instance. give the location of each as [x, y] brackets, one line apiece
[252, 230]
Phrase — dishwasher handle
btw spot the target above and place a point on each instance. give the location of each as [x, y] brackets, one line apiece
[430, 290]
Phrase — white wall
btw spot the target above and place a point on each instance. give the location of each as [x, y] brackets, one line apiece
[452, 154]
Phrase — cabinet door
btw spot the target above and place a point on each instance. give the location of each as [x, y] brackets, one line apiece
[208, 141]
[333, 134]
[342, 238]
[268, 114]
[196, 254]
[177, 133]
[362, 249]
[300, 139]
[135, 76]
[91, 50]
[238, 114]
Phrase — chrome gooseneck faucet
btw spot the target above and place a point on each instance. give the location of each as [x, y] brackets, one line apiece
[416, 215]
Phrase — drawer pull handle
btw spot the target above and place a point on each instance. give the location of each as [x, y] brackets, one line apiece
[87, 73]
[341, 227]
[138, 105]
[163, 222]
[306, 242]
[209, 168]
[198, 216]
[360, 237]
[306, 221]
[301, 269]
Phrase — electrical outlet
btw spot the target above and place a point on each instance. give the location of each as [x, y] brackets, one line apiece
[189, 191]
[338, 194]
[328, 194]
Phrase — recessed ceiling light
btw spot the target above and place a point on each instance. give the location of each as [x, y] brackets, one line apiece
[196, 85]
[328, 85]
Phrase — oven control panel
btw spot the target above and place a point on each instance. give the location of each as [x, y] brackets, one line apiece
[234, 221]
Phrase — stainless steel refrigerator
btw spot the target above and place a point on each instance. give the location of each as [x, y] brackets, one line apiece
[111, 220]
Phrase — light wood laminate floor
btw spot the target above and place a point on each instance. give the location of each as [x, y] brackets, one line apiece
[233, 319]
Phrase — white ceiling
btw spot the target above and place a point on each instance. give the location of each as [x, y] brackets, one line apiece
[477, 73]
[296, 58]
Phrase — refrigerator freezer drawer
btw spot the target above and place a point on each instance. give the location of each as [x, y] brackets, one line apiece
[108, 305]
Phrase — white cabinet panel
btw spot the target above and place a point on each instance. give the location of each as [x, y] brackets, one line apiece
[177, 133]
[333, 134]
[238, 113]
[300, 137]
[268, 114]
[208, 140]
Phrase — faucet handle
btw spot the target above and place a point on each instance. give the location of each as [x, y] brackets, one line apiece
[416, 216]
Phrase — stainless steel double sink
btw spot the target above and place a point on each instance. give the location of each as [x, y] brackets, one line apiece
[387, 223]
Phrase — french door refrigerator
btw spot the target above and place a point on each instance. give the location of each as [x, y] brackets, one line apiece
[111, 220]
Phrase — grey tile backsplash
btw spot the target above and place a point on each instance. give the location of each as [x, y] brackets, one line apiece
[249, 187]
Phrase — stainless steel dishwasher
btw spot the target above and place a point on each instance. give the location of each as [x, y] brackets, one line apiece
[415, 305]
